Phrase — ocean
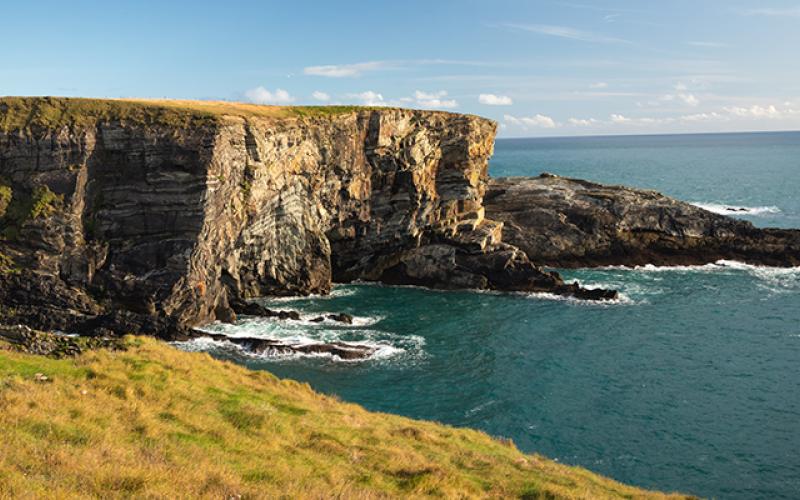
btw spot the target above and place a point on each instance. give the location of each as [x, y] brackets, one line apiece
[689, 382]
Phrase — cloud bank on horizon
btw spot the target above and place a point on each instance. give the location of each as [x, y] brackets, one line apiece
[552, 67]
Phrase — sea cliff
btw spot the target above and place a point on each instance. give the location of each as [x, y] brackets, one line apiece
[157, 216]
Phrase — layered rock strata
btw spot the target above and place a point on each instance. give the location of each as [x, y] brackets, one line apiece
[119, 216]
[564, 222]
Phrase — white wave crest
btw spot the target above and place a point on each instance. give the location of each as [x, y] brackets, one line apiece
[382, 350]
[724, 209]
[305, 332]
[338, 291]
[621, 300]
[778, 279]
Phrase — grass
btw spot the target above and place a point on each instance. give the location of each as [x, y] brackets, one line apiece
[156, 422]
[20, 113]
[20, 207]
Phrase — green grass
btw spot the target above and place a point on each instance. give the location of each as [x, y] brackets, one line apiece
[156, 422]
[5, 197]
[22, 113]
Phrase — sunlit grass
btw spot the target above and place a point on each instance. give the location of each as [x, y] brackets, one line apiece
[18, 113]
[155, 421]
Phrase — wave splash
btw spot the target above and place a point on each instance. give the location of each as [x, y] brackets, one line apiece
[306, 332]
[724, 209]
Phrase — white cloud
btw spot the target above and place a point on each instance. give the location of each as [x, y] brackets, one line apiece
[565, 32]
[434, 99]
[420, 99]
[540, 121]
[704, 117]
[321, 96]
[682, 95]
[619, 119]
[343, 70]
[757, 111]
[369, 98]
[260, 95]
[495, 100]
[582, 122]
[598, 85]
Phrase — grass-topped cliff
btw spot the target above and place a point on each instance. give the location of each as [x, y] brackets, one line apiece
[152, 421]
[49, 112]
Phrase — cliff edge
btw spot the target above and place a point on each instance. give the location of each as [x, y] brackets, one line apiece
[156, 216]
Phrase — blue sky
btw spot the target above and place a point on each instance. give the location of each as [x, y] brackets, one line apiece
[539, 68]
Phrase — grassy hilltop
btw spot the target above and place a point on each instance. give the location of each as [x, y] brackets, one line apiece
[152, 421]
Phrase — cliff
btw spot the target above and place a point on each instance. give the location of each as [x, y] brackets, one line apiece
[155, 216]
[575, 223]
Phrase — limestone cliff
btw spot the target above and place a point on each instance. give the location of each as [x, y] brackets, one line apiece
[157, 216]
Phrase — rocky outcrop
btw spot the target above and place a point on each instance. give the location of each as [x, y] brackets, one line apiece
[24, 339]
[122, 217]
[564, 222]
[269, 347]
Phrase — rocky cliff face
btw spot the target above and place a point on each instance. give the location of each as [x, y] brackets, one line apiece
[574, 223]
[138, 224]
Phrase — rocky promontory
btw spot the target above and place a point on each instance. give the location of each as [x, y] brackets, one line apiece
[563, 222]
[153, 217]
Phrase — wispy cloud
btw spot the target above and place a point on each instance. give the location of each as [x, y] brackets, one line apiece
[368, 98]
[598, 85]
[353, 70]
[708, 45]
[420, 99]
[582, 122]
[565, 32]
[774, 12]
[321, 96]
[344, 70]
[261, 95]
[536, 121]
[434, 99]
[495, 100]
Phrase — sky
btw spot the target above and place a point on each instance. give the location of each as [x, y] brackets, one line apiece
[539, 68]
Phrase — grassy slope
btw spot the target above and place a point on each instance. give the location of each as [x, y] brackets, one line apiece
[154, 421]
[47, 112]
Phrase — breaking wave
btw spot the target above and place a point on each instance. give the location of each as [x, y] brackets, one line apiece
[724, 209]
[305, 332]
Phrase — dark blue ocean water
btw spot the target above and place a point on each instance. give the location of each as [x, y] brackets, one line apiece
[690, 382]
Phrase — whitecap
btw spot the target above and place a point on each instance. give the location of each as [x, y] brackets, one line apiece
[733, 210]
[621, 300]
[779, 279]
[337, 292]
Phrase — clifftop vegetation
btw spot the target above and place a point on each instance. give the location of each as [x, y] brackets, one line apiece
[49, 112]
[152, 421]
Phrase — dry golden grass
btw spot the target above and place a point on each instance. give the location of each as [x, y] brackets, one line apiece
[155, 422]
[17, 113]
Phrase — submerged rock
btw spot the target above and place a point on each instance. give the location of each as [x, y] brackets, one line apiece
[564, 222]
[263, 346]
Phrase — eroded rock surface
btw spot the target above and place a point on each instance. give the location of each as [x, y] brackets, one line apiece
[564, 222]
[153, 225]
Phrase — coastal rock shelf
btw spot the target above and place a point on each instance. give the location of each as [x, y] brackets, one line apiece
[567, 223]
[156, 216]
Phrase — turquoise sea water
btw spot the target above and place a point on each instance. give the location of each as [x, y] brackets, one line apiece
[690, 382]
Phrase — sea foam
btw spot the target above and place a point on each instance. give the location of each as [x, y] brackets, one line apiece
[724, 209]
